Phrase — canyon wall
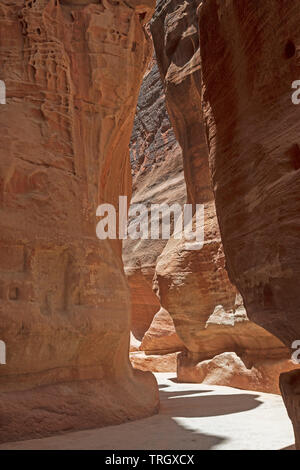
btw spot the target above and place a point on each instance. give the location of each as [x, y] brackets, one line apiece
[254, 153]
[65, 130]
[157, 171]
[193, 286]
[253, 138]
[190, 283]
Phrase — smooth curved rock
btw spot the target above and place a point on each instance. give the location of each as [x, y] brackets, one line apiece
[190, 283]
[161, 338]
[247, 74]
[157, 171]
[144, 302]
[193, 285]
[65, 307]
[254, 151]
[235, 352]
[232, 370]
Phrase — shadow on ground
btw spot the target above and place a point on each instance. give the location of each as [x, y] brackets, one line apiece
[192, 417]
[205, 406]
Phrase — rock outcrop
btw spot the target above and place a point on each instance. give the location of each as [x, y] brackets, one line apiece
[233, 370]
[254, 153]
[253, 138]
[159, 348]
[144, 302]
[154, 362]
[190, 283]
[290, 389]
[157, 171]
[161, 337]
[236, 352]
[65, 306]
[193, 285]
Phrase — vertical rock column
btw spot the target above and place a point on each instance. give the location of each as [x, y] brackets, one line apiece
[157, 171]
[250, 54]
[191, 284]
[72, 72]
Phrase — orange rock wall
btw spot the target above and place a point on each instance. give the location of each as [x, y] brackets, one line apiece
[157, 171]
[64, 299]
[250, 58]
[193, 285]
[190, 283]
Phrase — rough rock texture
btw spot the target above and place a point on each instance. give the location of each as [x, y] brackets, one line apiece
[64, 311]
[230, 369]
[254, 152]
[144, 302]
[190, 283]
[235, 352]
[193, 285]
[290, 389]
[157, 170]
[161, 338]
[154, 362]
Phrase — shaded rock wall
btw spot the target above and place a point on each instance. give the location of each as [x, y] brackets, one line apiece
[254, 153]
[65, 306]
[193, 285]
[157, 171]
[190, 283]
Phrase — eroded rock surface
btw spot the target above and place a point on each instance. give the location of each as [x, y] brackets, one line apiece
[253, 137]
[161, 337]
[190, 283]
[154, 362]
[233, 370]
[290, 389]
[157, 172]
[193, 285]
[254, 152]
[65, 306]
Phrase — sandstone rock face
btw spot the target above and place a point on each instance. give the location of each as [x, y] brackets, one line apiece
[157, 171]
[255, 157]
[232, 331]
[254, 154]
[144, 302]
[65, 306]
[232, 370]
[161, 338]
[190, 283]
[134, 343]
[235, 352]
[193, 285]
[154, 362]
[290, 389]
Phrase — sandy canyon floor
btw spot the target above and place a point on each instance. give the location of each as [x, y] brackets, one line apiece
[192, 416]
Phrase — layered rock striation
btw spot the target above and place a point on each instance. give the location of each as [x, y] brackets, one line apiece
[65, 130]
[157, 171]
[194, 285]
[252, 133]
[191, 283]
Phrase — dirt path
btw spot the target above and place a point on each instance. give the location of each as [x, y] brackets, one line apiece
[192, 416]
